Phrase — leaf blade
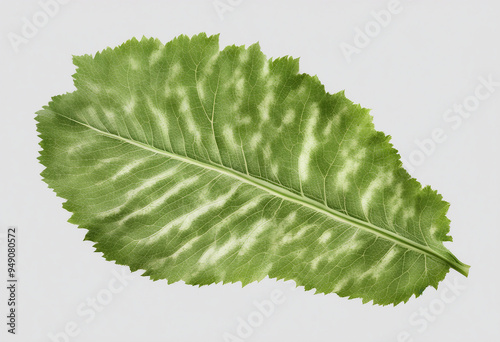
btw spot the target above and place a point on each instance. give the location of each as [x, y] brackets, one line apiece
[239, 159]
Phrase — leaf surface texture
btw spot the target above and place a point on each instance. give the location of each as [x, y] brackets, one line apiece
[210, 166]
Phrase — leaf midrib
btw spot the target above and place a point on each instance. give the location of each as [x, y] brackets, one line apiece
[446, 257]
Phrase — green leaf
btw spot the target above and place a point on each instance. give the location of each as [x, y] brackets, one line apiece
[210, 166]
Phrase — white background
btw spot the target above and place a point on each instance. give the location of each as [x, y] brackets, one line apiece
[429, 57]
